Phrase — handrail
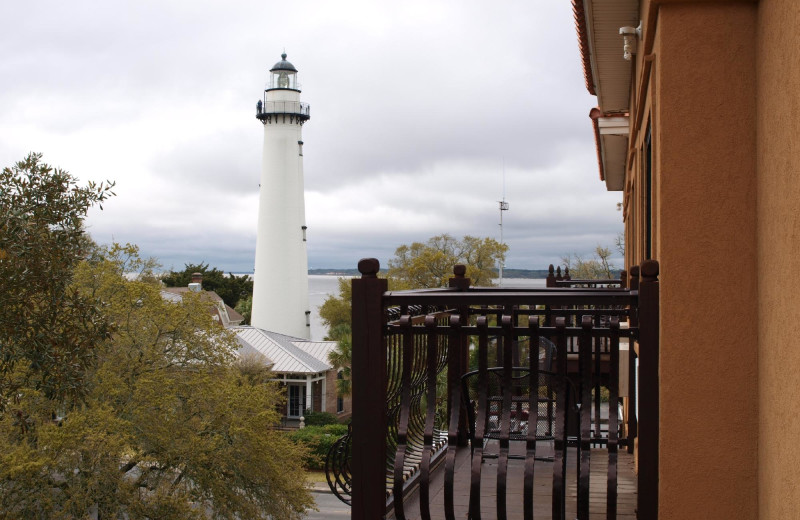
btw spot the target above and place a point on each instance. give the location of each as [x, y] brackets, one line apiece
[404, 356]
[285, 107]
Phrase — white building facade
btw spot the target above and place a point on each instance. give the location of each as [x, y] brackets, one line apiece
[280, 280]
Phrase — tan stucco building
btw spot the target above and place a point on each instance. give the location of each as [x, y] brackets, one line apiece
[699, 130]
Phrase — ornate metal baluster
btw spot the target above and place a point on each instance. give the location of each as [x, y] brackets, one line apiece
[613, 419]
[584, 440]
[424, 490]
[505, 414]
[533, 416]
[454, 376]
[480, 420]
[405, 410]
[560, 441]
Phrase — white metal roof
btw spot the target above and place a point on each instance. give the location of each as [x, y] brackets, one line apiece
[287, 354]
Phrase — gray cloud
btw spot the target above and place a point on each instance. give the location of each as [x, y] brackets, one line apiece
[416, 110]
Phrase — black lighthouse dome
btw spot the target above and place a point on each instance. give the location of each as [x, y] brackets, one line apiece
[283, 65]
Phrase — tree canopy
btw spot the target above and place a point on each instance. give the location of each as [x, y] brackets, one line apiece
[114, 401]
[47, 328]
[430, 264]
[170, 425]
[230, 288]
[598, 266]
[420, 265]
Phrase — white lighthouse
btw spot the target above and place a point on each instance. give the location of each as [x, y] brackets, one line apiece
[280, 288]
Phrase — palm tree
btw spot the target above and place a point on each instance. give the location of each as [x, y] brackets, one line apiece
[341, 356]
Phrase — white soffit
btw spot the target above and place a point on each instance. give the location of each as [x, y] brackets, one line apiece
[614, 146]
[610, 71]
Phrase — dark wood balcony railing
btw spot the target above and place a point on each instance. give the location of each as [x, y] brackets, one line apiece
[456, 384]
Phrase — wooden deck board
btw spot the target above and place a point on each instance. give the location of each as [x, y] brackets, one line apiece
[543, 482]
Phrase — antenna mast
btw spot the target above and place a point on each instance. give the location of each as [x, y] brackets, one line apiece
[503, 207]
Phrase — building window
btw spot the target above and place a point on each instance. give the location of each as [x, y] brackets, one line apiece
[297, 399]
[339, 398]
[300, 147]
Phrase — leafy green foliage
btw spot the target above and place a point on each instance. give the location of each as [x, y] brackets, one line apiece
[230, 288]
[419, 265]
[245, 308]
[595, 268]
[341, 357]
[171, 426]
[47, 329]
[318, 440]
[430, 264]
[319, 418]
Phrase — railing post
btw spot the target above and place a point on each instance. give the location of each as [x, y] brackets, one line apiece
[460, 363]
[633, 424]
[369, 423]
[648, 390]
[551, 277]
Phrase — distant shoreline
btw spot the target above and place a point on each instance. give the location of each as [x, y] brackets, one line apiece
[507, 273]
[530, 274]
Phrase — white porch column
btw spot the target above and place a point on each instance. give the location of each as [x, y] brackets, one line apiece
[309, 396]
[324, 392]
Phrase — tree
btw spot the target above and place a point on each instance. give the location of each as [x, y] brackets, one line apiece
[419, 265]
[342, 356]
[335, 310]
[430, 264]
[47, 329]
[245, 308]
[171, 426]
[597, 267]
[230, 288]
[335, 314]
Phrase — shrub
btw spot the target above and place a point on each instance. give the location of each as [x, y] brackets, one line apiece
[320, 418]
[318, 440]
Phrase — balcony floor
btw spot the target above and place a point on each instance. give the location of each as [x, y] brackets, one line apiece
[543, 481]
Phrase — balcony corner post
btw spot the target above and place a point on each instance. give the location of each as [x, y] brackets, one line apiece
[460, 363]
[369, 422]
[648, 389]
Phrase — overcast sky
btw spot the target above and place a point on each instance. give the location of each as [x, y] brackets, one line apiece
[417, 107]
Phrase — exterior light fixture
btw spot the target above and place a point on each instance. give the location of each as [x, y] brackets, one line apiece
[629, 35]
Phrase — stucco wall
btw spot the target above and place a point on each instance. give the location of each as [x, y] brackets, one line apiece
[705, 190]
[779, 257]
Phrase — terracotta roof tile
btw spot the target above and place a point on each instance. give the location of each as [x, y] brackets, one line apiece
[583, 43]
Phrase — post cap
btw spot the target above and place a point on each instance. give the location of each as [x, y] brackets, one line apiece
[369, 267]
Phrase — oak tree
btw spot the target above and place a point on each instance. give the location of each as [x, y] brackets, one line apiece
[47, 328]
[430, 264]
[171, 426]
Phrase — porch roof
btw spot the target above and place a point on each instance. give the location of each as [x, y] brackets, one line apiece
[286, 354]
